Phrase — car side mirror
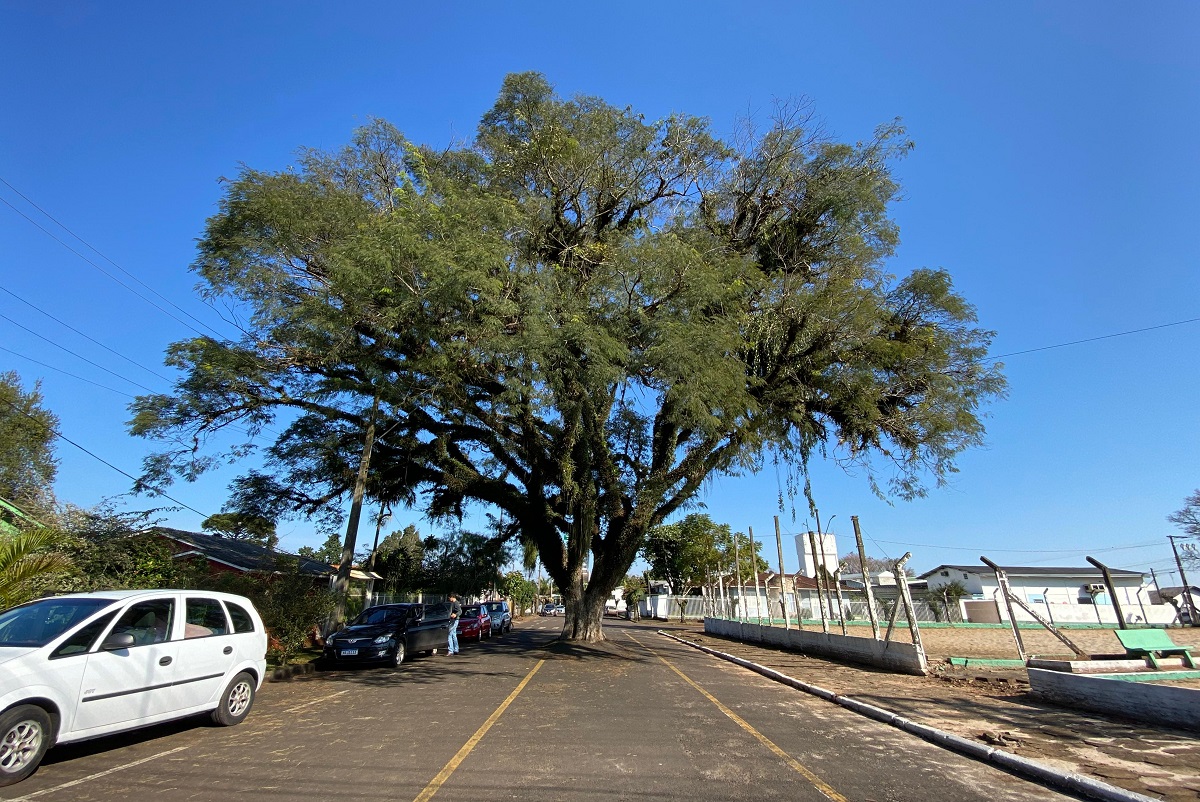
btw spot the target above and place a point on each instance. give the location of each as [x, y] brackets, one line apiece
[117, 641]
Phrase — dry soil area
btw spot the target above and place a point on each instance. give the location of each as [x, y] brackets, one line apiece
[992, 705]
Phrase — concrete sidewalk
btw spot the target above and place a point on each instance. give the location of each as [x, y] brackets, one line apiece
[992, 705]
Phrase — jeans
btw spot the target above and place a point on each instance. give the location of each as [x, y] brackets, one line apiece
[452, 642]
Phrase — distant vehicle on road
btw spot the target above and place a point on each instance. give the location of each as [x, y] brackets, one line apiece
[389, 633]
[91, 664]
[474, 624]
[548, 609]
[501, 616]
[560, 609]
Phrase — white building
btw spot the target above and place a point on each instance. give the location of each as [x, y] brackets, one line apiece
[826, 556]
[1064, 595]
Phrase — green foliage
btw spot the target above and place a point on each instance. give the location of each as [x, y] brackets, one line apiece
[633, 591]
[27, 432]
[400, 561]
[696, 550]
[242, 526]
[464, 562]
[28, 559]
[330, 552]
[290, 603]
[520, 592]
[944, 599]
[576, 319]
[113, 550]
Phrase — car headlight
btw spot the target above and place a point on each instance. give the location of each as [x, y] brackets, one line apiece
[383, 639]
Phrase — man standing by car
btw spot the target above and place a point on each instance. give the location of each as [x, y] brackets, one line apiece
[455, 614]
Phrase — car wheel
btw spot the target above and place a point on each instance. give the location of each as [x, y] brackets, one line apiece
[24, 738]
[399, 655]
[236, 701]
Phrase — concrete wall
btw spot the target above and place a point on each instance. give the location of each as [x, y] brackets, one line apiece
[1062, 611]
[900, 657]
[1147, 702]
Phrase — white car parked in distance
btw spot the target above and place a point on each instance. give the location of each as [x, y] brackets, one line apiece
[91, 664]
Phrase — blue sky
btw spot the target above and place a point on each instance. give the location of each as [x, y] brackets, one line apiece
[1055, 175]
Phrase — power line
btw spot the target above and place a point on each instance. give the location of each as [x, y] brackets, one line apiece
[237, 429]
[85, 336]
[1020, 551]
[137, 482]
[67, 373]
[77, 356]
[111, 276]
[1092, 339]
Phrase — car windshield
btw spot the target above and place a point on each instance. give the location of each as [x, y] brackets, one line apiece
[381, 615]
[39, 622]
[494, 607]
[470, 612]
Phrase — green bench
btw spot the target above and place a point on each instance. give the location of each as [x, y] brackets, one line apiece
[1153, 644]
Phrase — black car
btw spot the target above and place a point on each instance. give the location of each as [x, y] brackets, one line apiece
[389, 633]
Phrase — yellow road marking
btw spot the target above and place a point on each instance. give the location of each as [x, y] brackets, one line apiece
[795, 765]
[443, 775]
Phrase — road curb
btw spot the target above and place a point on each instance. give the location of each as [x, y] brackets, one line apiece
[285, 673]
[1021, 766]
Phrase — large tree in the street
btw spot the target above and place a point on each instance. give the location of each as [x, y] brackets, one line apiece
[576, 320]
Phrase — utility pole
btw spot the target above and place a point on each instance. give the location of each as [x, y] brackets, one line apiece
[342, 583]
[1187, 591]
[782, 588]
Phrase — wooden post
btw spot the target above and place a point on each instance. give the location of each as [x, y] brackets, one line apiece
[837, 584]
[812, 544]
[1002, 581]
[823, 574]
[862, 562]
[782, 588]
[892, 620]
[757, 593]
[909, 610]
[1052, 629]
[737, 565]
[1112, 591]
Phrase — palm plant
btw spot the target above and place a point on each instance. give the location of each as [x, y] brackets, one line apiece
[24, 558]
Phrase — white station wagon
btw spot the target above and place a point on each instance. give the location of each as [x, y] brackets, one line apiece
[90, 664]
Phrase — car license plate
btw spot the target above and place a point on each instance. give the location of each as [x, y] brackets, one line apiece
[349, 652]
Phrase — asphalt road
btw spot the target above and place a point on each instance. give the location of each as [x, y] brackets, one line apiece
[525, 717]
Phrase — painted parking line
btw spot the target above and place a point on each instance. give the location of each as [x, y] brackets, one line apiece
[437, 782]
[97, 775]
[792, 763]
[315, 702]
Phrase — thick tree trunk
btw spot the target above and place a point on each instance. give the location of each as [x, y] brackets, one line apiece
[585, 619]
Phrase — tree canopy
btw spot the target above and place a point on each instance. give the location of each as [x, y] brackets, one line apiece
[853, 565]
[27, 432]
[696, 550]
[575, 319]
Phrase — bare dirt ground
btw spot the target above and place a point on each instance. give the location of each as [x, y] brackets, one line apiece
[992, 705]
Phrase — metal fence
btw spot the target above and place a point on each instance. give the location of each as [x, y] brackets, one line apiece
[854, 608]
